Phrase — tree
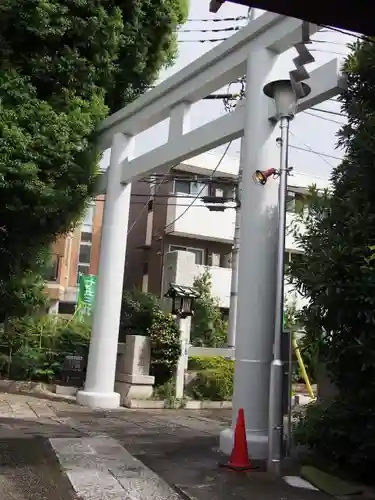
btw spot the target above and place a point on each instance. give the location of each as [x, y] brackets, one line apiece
[24, 293]
[64, 65]
[207, 328]
[337, 274]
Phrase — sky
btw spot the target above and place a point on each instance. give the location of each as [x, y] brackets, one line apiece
[313, 133]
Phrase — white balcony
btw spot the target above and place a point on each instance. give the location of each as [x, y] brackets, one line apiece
[198, 221]
[180, 268]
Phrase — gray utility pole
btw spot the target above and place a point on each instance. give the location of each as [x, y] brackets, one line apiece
[232, 320]
[285, 98]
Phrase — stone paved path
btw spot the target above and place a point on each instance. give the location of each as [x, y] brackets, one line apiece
[180, 446]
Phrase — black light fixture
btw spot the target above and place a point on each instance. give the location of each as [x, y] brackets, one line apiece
[183, 298]
[261, 176]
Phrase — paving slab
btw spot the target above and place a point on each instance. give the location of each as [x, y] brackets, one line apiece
[101, 469]
[29, 470]
[139, 454]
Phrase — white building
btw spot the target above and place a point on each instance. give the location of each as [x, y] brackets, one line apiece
[178, 237]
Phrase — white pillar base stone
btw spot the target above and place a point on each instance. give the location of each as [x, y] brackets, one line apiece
[102, 400]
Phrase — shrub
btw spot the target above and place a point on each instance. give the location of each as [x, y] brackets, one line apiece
[207, 363]
[342, 435]
[207, 326]
[137, 312]
[214, 380]
[215, 384]
[34, 348]
[165, 346]
[142, 314]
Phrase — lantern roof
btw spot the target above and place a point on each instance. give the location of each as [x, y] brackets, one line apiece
[181, 291]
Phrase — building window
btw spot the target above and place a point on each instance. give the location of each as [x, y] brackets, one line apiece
[214, 259]
[295, 256]
[291, 202]
[192, 188]
[198, 252]
[88, 218]
[52, 272]
[301, 204]
[84, 256]
[67, 307]
[82, 269]
[296, 203]
[86, 237]
[290, 257]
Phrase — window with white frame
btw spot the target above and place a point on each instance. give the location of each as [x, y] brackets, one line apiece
[85, 246]
[290, 256]
[198, 252]
[190, 188]
[297, 202]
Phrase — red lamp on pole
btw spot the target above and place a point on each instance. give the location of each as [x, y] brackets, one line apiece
[261, 176]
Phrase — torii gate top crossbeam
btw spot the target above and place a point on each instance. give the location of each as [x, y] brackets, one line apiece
[221, 65]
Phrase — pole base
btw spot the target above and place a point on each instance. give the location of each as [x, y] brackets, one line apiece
[102, 400]
[257, 443]
[237, 468]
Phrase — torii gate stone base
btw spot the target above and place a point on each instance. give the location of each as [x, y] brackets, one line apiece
[253, 51]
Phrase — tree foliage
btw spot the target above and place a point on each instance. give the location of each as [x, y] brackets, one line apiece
[24, 293]
[64, 65]
[337, 274]
[207, 328]
[142, 314]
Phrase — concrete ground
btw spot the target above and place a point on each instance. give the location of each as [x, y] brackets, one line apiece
[103, 452]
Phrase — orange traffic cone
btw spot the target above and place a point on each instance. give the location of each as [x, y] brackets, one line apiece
[239, 459]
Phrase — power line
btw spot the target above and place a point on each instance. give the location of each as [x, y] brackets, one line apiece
[218, 19]
[210, 30]
[323, 156]
[207, 40]
[147, 203]
[324, 118]
[329, 52]
[201, 190]
[348, 33]
[342, 44]
[329, 112]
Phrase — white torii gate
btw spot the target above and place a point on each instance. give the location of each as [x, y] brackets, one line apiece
[253, 51]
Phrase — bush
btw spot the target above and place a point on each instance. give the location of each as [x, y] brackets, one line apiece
[342, 435]
[213, 384]
[207, 327]
[35, 348]
[214, 380]
[165, 346]
[137, 312]
[142, 314]
[208, 363]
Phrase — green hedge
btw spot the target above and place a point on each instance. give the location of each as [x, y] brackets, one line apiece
[214, 380]
[206, 363]
[35, 348]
